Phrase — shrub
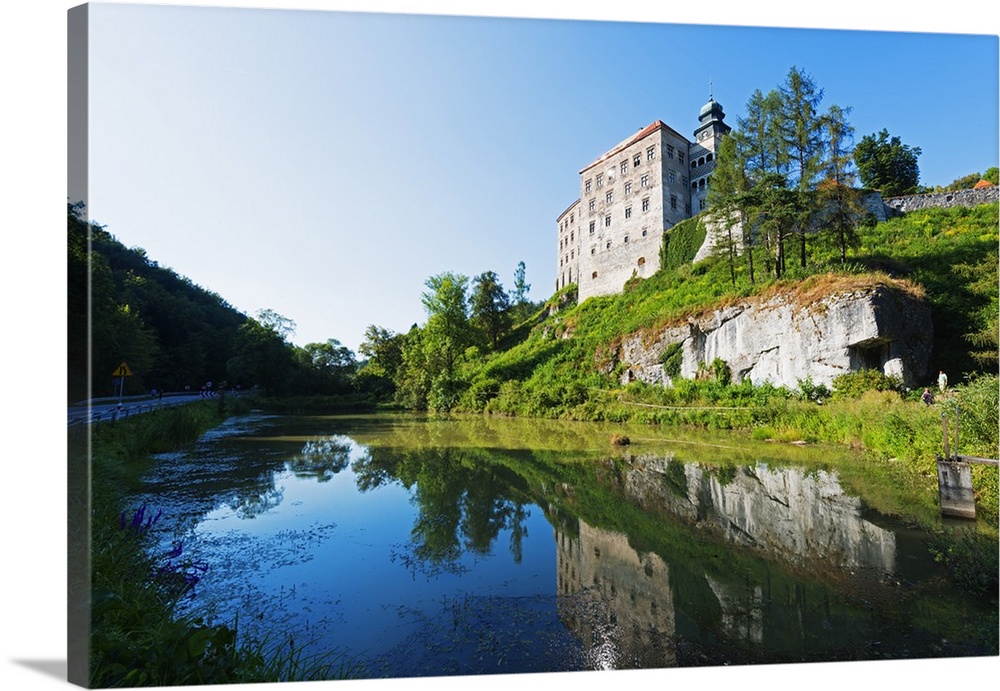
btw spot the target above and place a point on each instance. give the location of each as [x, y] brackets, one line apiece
[853, 384]
[671, 359]
[815, 393]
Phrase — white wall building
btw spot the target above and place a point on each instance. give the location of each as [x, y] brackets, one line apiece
[629, 197]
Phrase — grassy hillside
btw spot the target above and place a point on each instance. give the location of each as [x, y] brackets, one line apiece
[563, 367]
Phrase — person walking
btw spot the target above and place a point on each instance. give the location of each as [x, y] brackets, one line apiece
[927, 397]
[942, 381]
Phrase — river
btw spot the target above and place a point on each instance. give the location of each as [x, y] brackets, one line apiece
[427, 546]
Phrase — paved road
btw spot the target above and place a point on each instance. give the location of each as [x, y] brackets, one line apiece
[101, 410]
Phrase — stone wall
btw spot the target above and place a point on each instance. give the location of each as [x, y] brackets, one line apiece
[945, 200]
[783, 342]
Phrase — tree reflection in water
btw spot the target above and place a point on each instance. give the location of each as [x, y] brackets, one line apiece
[462, 505]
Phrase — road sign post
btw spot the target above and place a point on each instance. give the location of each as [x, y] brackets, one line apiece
[121, 372]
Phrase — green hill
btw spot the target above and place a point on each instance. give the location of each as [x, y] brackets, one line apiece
[561, 367]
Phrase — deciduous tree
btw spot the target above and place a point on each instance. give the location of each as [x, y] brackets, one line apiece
[886, 164]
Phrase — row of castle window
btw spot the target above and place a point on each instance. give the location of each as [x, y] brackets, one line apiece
[636, 160]
[609, 197]
[593, 250]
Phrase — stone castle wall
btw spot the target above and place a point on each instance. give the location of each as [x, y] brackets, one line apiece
[944, 200]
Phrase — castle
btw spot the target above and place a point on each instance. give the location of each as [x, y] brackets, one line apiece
[629, 197]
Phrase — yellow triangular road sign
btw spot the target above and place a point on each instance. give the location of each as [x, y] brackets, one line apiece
[122, 371]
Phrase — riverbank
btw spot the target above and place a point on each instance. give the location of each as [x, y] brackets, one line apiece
[126, 602]
[137, 638]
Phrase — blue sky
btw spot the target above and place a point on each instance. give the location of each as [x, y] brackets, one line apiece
[324, 164]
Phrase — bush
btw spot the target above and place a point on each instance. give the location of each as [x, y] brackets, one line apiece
[854, 384]
[971, 558]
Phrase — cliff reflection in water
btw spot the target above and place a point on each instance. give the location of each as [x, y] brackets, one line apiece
[625, 604]
[797, 515]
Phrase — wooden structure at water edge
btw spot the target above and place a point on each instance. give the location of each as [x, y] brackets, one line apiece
[955, 477]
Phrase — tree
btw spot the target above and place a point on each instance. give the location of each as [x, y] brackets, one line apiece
[261, 357]
[521, 286]
[490, 306]
[445, 336]
[764, 152]
[840, 203]
[328, 367]
[801, 131]
[727, 199]
[887, 165]
[279, 324]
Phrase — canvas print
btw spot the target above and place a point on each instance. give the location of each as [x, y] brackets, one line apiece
[418, 346]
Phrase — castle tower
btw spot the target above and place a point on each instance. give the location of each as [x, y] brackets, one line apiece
[702, 153]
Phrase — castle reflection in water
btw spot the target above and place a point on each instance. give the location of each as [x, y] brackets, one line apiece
[632, 609]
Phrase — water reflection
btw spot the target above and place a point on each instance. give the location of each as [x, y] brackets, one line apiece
[798, 515]
[424, 555]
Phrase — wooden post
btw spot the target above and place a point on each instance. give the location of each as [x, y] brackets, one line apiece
[944, 427]
[957, 410]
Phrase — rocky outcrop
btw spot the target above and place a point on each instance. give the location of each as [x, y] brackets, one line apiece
[784, 339]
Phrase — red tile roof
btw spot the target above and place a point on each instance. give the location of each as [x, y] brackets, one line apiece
[642, 134]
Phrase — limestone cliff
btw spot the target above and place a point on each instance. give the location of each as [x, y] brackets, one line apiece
[811, 332]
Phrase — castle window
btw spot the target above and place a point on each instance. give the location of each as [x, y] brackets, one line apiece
[708, 159]
[670, 151]
[593, 204]
[571, 236]
[680, 156]
[684, 180]
[642, 261]
[672, 177]
[600, 180]
[694, 186]
[693, 165]
[673, 201]
[626, 239]
[645, 204]
[608, 246]
[586, 185]
[607, 221]
[701, 161]
[593, 250]
[609, 197]
[701, 204]
[628, 212]
[572, 254]
[593, 275]
[644, 181]
[635, 160]
[650, 153]
[592, 224]
[624, 167]
[571, 218]
[628, 187]
[644, 233]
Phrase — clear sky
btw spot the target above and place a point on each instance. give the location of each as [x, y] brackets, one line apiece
[324, 164]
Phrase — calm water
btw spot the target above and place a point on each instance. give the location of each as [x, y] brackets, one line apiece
[425, 546]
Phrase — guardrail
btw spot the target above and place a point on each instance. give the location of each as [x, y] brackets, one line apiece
[107, 411]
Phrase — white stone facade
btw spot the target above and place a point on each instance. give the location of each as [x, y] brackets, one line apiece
[628, 198]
